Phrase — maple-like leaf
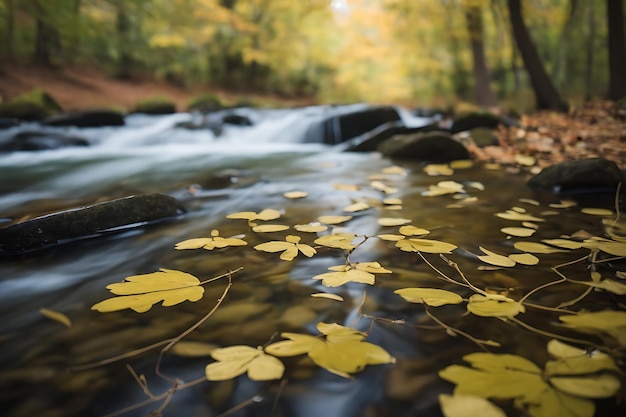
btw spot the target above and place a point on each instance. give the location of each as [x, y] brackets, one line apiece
[141, 292]
[359, 272]
[289, 248]
[342, 352]
[210, 243]
[337, 240]
[233, 361]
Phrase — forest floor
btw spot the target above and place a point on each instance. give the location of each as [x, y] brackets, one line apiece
[597, 129]
[83, 87]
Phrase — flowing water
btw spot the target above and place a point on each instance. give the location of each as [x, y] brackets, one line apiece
[249, 169]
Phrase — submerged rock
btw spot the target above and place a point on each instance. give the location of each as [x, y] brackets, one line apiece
[92, 118]
[437, 146]
[590, 175]
[88, 221]
[41, 140]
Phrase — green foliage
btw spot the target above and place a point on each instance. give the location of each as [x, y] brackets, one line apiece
[156, 105]
[33, 105]
[205, 103]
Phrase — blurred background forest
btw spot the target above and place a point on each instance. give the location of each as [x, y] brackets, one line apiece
[426, 52]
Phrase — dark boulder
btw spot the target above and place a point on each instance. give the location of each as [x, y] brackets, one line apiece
[342, 126]
[370, 141]
[88, 221]
[590, 175]
[437, 146]
[237, 120]
[34, 105]
[473, 120]
[483, 136]
[8, 122]
[92, 118]
[40, 140]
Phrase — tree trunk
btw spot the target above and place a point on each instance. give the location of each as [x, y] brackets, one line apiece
[591, 35]
[617, 49]
[46, 38]
[10, 26]
[546, 93]
[123, 26]
[482, 85]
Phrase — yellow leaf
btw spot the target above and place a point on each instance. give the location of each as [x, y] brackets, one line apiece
[336, 279]
[56, 316]
[563, 243]
[518, 231]
[535, 247]
[493, 258]
[524, 258]
[392, 238]
[562, 350]
[388, 221]
[360, 206]
[430, 296]
[487, 307]
[141, 292]
[425, 245]
[373, 267]
[377, 185]
[597, 211]
[235, 360]
[327, 295]
[297, 344]
[438, 169]
[514, 215]
[346, 187]
[269, 228]
[267, 214]
[599, 386]
[289, 248]
[610, 247]
[461, 164]
[563, 204]
[608, 284]
[413, 231]
[210, 243]
[610, 322]
[392, 201]
[530, 201]
[394, 170]
[468, 406]
[525, 160]
[333, 219]
[337, 240]
[310, 228]
[295, 194]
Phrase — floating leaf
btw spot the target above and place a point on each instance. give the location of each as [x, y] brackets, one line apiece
[333, 219]
[346, 187]
[210, 243]
[141, 292]
[267, 214]
[536, 247]
[430, 296]
[236, 360]
[609, 322]
[518, 231]
[289, 248]
[310, 228]
[529, 201]
[608, 246]
[444, 187]
[493, 258]
[327, 295]
[477, 185]
[394, 170]
[514, 215]
[525, 160]
[608, 284]
[461, 164]
[389, 221]
[438, 169]
[392, 201]
[56, 316]
[563, 204]
[413, 231]
[377, 185]
[484, 306]
[468, 406]
[393, 238]
[360, 206]
[269, 228]
[524, 258]
[597, 386]
[343, 352]
[563, 243]
[597, 211]
[530, 225]
[337, 240]
[295, 194]
[425, 245]
[581, 365]
[359, 272]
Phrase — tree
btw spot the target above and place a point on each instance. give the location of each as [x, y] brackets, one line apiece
[546, 93]
[482, 85]
[47, 40]
[617, 49]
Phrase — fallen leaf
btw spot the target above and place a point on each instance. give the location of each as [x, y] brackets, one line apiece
[210, 243]
[389, 221]
[327, 295]
[290, 248]
[56, 316]
[236, 360]
[468, 406]
[333, 219]
[269, 228]
[430, 296]
[485, 306]
[295, 194]
[425, 245]
[493, 258]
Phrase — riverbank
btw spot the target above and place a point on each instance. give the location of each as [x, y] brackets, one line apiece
[82, 87]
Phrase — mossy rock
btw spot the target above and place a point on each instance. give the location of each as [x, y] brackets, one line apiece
[205, 103]
[435, 146]
[34, 105]
[156, 105]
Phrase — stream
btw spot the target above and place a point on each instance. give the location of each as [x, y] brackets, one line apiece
[249, 168]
